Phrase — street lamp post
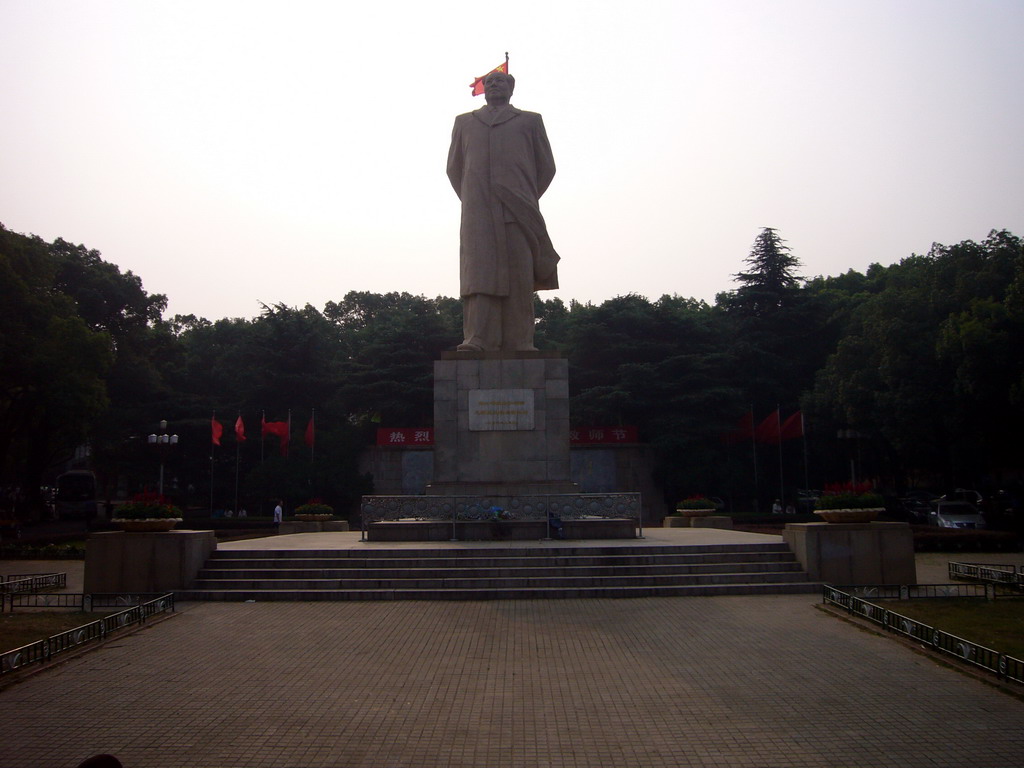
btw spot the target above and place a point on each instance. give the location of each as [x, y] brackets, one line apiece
[162, 442]
[853, 434]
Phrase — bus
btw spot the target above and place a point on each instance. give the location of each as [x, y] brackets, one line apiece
[75, 497]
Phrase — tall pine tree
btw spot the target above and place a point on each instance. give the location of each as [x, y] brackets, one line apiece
[771, 282]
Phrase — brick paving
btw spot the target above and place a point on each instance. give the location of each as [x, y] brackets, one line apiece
[728, 681]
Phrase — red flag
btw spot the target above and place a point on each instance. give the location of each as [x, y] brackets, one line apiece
[768, 430]
[280, 429]
[744, 430]
[792, 427]
[240, 429]
[310, 433]
[216, 430]
[478, 84]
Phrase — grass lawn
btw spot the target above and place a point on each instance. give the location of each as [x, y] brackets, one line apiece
[997, 624]
[18, 629]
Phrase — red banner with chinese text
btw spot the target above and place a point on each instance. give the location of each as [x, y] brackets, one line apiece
[602, 435]
[405, 436]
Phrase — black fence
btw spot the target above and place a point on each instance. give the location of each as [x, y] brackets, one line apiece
[32, 582]
[86, 602]
[43, 651]
[1004, 666]
[989, 573]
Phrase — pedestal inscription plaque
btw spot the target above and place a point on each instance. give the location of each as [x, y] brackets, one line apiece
[500, 409]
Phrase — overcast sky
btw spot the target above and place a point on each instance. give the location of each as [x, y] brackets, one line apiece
[232, 153]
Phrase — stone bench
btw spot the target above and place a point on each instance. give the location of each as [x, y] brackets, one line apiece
[499, 530]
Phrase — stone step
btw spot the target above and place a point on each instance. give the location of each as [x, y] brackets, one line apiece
[498, 562]
[479, 573]
[498, 552]
[497, 572]
[519, 593]
[489, 582]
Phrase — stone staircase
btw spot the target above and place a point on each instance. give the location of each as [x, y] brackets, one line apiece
[500, 574]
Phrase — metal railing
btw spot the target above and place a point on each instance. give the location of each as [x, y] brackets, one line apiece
[921, 591]
[549, 508]
[75, 600]
[32, 582]
[43, 651]
[1004, 666]
[990, 573]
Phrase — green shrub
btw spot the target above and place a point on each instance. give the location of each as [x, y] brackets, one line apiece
[695, 502]
[849, 500]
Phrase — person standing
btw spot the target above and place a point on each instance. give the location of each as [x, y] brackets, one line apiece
[499, 164]
[279, 511]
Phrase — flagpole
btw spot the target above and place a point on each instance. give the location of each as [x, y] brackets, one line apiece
[238, 444]
[803, 430]
[753, 448]
[213, 447]
[778, 431]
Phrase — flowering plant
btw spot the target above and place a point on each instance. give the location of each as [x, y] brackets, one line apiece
[695, 502]
[315, 507]
[849, 496]
[147, 506]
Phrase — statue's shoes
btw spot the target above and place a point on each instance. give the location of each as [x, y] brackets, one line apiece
[467, 347]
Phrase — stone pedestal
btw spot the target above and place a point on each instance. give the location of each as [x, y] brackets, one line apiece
[855, 553]
[145, 562]
[501, 424]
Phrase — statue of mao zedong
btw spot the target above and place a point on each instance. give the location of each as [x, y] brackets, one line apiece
[500, 163]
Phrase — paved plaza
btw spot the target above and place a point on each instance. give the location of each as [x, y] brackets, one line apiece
[693, 681]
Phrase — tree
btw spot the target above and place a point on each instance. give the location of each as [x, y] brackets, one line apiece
[929, 365]
[52, 365]
[389, 344]
[771, 282]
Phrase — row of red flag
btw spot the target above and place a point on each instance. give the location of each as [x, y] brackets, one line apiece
[280, 429]
[772, 429]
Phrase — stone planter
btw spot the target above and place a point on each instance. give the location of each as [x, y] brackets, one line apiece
[865, 515]
[695, 512]
[152, 525]
[314, 518]
[676, 521]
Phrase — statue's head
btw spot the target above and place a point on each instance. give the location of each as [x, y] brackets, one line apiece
[499, 86]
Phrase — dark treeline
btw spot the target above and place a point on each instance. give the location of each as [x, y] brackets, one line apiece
[921, 361]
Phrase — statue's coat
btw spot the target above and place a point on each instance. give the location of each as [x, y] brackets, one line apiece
[500, 163]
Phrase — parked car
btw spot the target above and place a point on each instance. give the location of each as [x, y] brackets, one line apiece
[956, 514]
[918, 505]
[963, 494]
[805, 499]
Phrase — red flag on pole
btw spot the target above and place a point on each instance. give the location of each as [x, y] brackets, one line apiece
[744, 430]
[240, 429]
[310, 433]
[478, 84]
[768, 430]
[792, 427]
[281, 430]
[216, 430]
